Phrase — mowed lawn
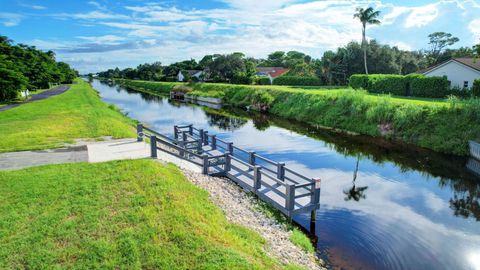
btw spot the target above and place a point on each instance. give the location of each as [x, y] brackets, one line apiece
[118, 215]
[49, 123]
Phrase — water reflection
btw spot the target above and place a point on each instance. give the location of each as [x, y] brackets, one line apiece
[383, 205]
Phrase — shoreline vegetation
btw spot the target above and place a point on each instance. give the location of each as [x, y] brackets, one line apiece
[133, 214]
[442, 125]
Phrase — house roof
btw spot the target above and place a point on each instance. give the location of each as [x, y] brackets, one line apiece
[193, 71]
[272, 71]
[473, 63]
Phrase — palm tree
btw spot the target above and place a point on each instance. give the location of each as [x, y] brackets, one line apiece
[366, 16]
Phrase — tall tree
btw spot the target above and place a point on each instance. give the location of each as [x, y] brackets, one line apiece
[366, 16]
[438, 42]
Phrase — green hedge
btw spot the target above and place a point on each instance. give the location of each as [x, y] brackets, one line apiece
[410, 85]
[431, 87]
[241, 78]
[297, 80]
[476, 88]
[388, 84]
[358, 81]
[261, 80]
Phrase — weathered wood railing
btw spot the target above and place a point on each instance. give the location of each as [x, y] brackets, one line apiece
[273, 182]
[474, 149]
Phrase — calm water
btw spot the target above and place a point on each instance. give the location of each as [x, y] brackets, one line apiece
[383, 206]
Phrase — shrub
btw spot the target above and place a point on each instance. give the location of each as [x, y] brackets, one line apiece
[11, 83]
[432, 87]
[261, 80]
[358, 81]
[296, 80]
[460, 92]
[387, 83]
[241, 78]
[476, 88]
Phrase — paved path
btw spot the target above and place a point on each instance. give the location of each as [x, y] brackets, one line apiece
[52, 92]
[86, 152]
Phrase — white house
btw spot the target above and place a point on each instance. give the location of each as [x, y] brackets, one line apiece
[460, 72]
[193, 74]
[271, 72]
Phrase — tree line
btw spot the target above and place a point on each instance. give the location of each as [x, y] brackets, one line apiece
[25, 67]
[333, 68]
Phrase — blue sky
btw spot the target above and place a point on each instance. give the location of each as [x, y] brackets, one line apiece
[101, 34]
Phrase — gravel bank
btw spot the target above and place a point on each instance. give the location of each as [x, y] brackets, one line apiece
[239, 209]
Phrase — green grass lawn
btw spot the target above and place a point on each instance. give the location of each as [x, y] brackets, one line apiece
[118, 215]
[49, 123]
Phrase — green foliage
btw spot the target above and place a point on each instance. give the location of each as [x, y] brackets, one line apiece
[135, 214]
[11, 82]
[387, 84]
[358, 81]
[433, 87]
[25, 66]
[296, 80]
[49, 123]
[300, 239]
[241, 78]
[261, 80]
[476, 87]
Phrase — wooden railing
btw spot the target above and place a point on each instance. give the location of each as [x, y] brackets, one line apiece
[282, 187]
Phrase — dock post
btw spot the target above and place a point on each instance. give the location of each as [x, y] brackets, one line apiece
[182, 146]
[200, 133]
[313, 221]
[214, 142]
[199, 145]
[190, 129]
[281, 171]
[205, 138]
[315, 197]
[175, 132]
[230, 148]
[139, 132]
[228, 162]
[251, 158]
[205, 164]
[153, 146]
[257, 178]
[184, 136]
[290, 197]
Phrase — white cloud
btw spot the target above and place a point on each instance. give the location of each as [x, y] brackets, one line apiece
[421, 16]
[10, 19]
[106, 39]
[401, 45]
[92, 15]
[474, 27]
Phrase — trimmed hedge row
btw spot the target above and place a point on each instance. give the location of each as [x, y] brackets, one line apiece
[410, 85]
[297, 80]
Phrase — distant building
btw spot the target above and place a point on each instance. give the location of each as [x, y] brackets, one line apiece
[460, 72]
[271, 72]
[196, 74]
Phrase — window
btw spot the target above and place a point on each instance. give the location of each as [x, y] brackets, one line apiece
[465, 84]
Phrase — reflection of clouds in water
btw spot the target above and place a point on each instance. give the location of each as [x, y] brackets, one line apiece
[434, 203]
[276, 140]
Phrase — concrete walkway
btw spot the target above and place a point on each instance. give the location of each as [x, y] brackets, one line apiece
[89, 152]
[52, 92]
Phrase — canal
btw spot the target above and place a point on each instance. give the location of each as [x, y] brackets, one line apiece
[383, 205]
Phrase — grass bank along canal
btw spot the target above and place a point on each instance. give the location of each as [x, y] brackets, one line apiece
[383, 206]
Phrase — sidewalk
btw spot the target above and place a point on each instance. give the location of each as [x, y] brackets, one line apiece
[49, 93]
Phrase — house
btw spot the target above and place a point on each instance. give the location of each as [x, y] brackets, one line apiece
[460, 72]
[194, 74]
[271, 72]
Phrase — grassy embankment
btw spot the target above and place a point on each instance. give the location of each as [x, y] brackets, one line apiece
[441, 125]
[118, 215]
[77, 113]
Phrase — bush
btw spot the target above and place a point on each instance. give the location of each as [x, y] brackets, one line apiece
[11, 83]
[261, 80]
[241, 78]
[432, 87]
[296, 80]
[358, 81]
[387, 83]
[476, 88]
[460, 92]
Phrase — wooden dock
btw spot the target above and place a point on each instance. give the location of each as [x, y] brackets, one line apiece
[474, 149]
[273, 182]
